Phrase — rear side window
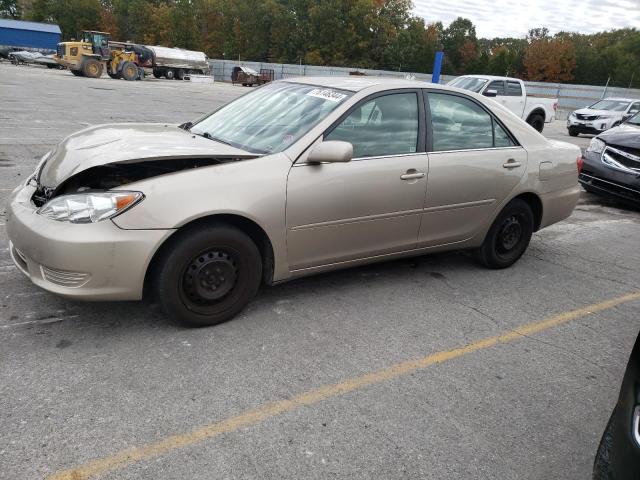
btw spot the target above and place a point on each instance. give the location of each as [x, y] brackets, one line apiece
[514, 89]
[498, 86]
[385, 125]
[458, 123]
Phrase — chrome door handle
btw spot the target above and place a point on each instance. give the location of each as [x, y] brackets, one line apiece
[511, 163]
[412, 176]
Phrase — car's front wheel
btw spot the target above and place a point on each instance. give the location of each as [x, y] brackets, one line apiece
[573, 132]
[508, 236]
[208, 274]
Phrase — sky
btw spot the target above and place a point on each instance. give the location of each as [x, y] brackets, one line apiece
[514, 18]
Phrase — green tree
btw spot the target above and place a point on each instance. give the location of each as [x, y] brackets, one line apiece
[10, 9]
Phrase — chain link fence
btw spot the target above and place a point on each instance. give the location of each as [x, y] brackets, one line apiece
[570, 97]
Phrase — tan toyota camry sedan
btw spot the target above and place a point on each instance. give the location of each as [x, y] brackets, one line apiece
[297, 177]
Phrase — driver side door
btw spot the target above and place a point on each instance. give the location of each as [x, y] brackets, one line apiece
[370, 206]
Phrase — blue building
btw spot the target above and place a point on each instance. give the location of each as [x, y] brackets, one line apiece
[29, 35]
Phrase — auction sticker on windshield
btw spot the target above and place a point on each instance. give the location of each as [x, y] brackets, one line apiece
[326, 94]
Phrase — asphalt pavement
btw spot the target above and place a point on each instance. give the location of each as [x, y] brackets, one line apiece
[430, 368]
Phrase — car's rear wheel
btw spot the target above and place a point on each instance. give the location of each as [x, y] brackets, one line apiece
[208, 274]
[536, 121]
[508, 236]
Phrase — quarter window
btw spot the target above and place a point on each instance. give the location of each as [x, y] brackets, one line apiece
[500, 137]
[514, 89]
[461, 124]
[385, 125]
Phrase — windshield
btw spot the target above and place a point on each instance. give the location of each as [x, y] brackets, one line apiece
[271, 118]
[614, 105]
[469, 83]
[635, 120]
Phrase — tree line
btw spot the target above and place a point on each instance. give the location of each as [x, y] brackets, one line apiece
[380, 34]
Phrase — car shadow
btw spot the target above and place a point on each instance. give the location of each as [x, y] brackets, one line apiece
[105, 319]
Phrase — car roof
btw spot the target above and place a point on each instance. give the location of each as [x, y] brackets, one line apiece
[490, 77]
[357, 83]
[620, 99]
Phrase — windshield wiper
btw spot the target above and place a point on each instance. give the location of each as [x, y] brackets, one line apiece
[208, 136]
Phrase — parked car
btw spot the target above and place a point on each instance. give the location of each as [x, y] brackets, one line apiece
[25, 57]
[601, 116]
[618, 455]
[611, 163]
[297, 177]
[512, 93]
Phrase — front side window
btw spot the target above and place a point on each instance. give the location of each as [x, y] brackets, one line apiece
[271, 118]
[386, 125]
[498, 86]
[461, 124]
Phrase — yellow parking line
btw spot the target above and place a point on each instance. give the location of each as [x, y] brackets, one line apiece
[259, 414]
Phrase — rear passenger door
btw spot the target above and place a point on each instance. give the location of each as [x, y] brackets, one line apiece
[474, 164]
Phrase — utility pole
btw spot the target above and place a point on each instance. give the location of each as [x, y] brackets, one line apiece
[631, 81]
[605, 87]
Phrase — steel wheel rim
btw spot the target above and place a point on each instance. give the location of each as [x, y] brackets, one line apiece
[509, 235]
[208, 279]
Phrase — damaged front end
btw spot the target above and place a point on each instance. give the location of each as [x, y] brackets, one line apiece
[105, 177]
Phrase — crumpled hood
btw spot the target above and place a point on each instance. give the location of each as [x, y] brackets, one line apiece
[626, 135]
[589, 111]
[127, 142]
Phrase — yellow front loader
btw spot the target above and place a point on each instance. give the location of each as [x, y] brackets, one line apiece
[94, 53]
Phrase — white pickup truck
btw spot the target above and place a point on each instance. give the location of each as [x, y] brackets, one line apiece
[512, 93]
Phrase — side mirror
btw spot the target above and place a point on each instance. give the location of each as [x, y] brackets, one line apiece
[491, 93]
[331, 151]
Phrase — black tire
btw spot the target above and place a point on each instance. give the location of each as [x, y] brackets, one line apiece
[77, 73]
[180, 73]
[602, 462]
[536, 121]
[157, 73]
[92, 68]
[129, 71]
[169, 74]
[115, 76]
[208, 274]
[49, 66]
[573, 132]
[508, 237]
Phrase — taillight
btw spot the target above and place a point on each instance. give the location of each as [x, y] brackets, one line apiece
[555, 106]
[579, 163]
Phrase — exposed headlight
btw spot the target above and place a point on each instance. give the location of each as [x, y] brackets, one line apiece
[89, 207]
[596, 145]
